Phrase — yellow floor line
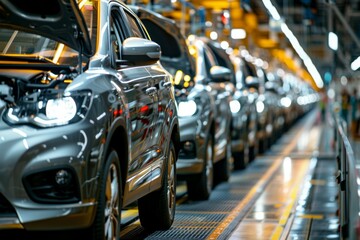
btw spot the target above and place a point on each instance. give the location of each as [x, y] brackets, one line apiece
[234, 213]
[293, 198]
[312, 216]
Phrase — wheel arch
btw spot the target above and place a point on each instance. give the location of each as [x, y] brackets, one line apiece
[175, 138]
[118, 140]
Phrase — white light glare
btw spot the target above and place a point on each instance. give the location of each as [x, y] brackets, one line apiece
[238, 33]
[331, 93]
[286, 102]
[244, 53]
[235, 106]
[333, 41]
[224, 44]
[355, 65]
[187, 109]
[343, 80]
[260, 106]
[296, 45]
[62, 109]
[302, 54]
[287, 167]
[272, 10]
[213, 35]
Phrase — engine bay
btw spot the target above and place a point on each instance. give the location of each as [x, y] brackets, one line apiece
[26, 86]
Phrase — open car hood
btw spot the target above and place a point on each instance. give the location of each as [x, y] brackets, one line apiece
[60, 20]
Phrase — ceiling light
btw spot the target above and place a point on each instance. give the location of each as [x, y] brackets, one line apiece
[238, 33]
[355, 65]
[213, 35]
[295, 44]
[333, 41]
[224, 44]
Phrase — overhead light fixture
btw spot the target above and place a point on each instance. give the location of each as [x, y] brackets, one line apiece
[343, 80]
[333, 41]
[296, 45]
[355, 65]
[224, 44]
[272, 10]
[213, 35]
[238, 33]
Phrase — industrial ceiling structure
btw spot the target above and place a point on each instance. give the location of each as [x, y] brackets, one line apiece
[295, 33]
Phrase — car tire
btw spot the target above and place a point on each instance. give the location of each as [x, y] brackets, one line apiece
[262, 145]
[241, 159]
[107, 220]
[199, 186]
[225, 166]
[157, 209]
[252, 153]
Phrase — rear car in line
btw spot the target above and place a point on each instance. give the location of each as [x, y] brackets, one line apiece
[198, 108]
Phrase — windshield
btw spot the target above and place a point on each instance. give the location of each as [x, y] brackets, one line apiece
[19, 43]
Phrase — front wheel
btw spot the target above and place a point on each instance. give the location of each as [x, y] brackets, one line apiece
[108, 212]
[241, 159]
[199, 186]
[157, 209]
[226, 165]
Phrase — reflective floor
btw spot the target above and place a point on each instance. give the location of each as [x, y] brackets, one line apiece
[287, 193]
[300, 201]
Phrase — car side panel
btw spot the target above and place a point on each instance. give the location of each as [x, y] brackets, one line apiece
[142, 112]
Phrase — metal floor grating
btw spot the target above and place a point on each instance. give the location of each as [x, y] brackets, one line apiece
[198, 219]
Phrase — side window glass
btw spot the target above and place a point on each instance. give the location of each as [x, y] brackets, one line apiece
[115, 40]
[135, 28]
[251, 69]
[207, 63]
[211, 57]
[209, 60]
[117, 35]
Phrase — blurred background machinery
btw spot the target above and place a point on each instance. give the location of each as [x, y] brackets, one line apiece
[325, 30]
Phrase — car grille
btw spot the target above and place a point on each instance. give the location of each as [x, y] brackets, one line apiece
[6, 209]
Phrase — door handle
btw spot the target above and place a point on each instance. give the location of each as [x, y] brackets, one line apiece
[151, 91]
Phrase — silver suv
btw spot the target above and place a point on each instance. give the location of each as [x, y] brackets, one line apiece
[88, 119]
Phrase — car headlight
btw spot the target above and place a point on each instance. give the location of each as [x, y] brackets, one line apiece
[285, 102]
[49, 109]
[187, 108]
[235, 106]
[61, 109]
[260, 106]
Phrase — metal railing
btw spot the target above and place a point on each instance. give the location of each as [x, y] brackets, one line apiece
[348, 179]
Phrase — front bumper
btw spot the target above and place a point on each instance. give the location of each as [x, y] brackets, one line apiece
[191, 158]
[30, 151]
[60, 217]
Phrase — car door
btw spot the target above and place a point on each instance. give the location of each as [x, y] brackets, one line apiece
[222, 101]
[158, 91]
[141, 97]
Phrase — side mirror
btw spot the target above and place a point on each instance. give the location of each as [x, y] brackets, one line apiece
[271, 86]
[252, 82]
[220, 74]
[139, 51]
